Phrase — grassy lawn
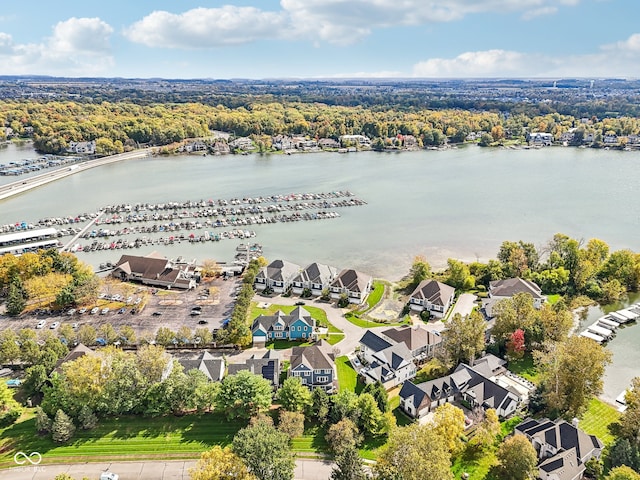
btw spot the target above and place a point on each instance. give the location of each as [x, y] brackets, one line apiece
[364, 323]
[376, 294]
[432, 369]
[134, 438]
[318, 314]
[284, 344]
[347, 376]
[333, 339]
[553, 299]
[525, 368]
[597, 419]
[476, 463]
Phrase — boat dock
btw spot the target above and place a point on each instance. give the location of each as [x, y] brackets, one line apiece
[604, 329]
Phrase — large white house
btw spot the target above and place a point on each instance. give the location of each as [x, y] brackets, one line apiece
[436, 297]
[278, 276]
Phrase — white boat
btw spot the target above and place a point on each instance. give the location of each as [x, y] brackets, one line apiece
[606, 323]
[617, 317]
[592, 336]
[628, 313]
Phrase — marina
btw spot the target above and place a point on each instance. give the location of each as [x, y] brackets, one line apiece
[604, 329]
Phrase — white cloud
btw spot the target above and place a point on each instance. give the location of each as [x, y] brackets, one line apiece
[78, 46]
[206, 27]
[539, 12]
[334, 21]
[621, 59]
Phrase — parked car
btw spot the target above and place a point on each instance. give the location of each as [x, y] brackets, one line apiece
[203, 322]
[94, 310]
[71, 311]
[54, 325]
[156, 314]
[82, 310]
[122, 310]
[41, 324]
[196, 307]
[74, 326]
[195, 313]
[108, 476]
[104, 311]
[299, 303]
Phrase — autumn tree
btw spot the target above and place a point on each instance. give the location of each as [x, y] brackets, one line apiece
[464, 337]
[571, 374]
[210, 268]
[511, 314]
[515, 345]
[220, 464]
[291, 423]
[448, 423]
[485, 434]
[414, 452]
[623, 473]
[343, 435]
[266, 452]
[420, 270]
[517, 459]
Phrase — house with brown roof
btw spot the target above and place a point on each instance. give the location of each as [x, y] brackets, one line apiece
[155, 270]
[315, 366]
[354, 284]
[420, 342]
[433, 296]
[212, 367]
[563, 448]
[79, 351]
[504, 289]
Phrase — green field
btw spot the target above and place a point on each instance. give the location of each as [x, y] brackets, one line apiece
[376, 294]
[525, 368]
[135, 438]
[347, 376]
[477, 464]
[597, 419]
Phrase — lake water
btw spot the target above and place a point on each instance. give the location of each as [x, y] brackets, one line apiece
[459, 203]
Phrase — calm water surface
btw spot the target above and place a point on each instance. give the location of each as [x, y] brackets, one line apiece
[458, 203]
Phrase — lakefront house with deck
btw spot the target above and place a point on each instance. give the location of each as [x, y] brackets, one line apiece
[277, 276]
[314, 278]
[354, 284]
[433, 296]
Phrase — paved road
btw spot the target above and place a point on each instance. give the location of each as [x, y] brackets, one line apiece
[22, 186]
[306, 469]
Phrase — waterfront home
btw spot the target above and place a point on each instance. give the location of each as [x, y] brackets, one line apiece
[298, 325]
[282, 142]
[473, 386]
[241, 143]
[354, 284]
[277, 276]
[563, 448]
[328, 143]
[540, 139]
[212, 367]
[387, 361]
[88, 148]
[503, 289]
[220, 148]
[155, 270]
[315, 366]
[433, 296]
[421, 342]
[315, 278]
[267, 366]
[610, 139]
[348, 140]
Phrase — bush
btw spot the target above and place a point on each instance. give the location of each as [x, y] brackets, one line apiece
[425, 315]
[10, 416]
[87, 419]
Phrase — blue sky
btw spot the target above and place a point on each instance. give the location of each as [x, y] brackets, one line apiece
[321, 38]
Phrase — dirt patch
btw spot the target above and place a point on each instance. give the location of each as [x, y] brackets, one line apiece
[388, 310]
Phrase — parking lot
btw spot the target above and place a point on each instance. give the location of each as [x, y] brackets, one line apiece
[152, 308]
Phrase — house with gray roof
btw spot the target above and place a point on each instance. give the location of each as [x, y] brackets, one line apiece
[267, 366]
[421, 342]
[212, 367]
[297, 325]
[436, 297]
[466, 384]
[563, 448]
[315, 278]
[315, 366]
[277, 276]
[354, 284]
[504, 289]
[387, 361]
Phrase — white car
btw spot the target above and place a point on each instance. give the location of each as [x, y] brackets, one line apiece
[104, 311]
[94, 310]
[41, 324]
[108, 476]
[54, 325]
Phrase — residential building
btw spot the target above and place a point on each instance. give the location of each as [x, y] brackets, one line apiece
[387, 361]
[155, 270]
[88, 148]
[315, 278]
[504, 289]
[277, 276]
[355, 140]
[282, 142]
[242, 143]
[421, 342]
[298, 325]
[267, 366]
[79, 351]
[354, 284]
[315, 366]
[540, 138]
[563, 448]
[212, 367]
[472, 385]
[433, 296]
[328, 143]
[610, 139]
[220, 148]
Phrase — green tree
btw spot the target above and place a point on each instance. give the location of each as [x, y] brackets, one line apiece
[15, 300]
[43, 422]
[291, 423]
[220, 464]
[243, 395]
[571, 374]
[448, 422]
[464, 337]
[342, 436]
[380, 394]
[372, 421]
[266, 452]
[344, 404]
[485, 434]
[459, 275]
[623, 473]
[414, 452]
[62, 429]
[320, 405]
[9, 348]
[630, 420]
[87, 420]
[511, 314]
[34, 379]
[517, 459]
[348, 466]
[420, 270]
[294, 396]
[87, 335]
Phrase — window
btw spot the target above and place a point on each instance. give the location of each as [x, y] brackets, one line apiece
[306, 374]
[322, 379]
